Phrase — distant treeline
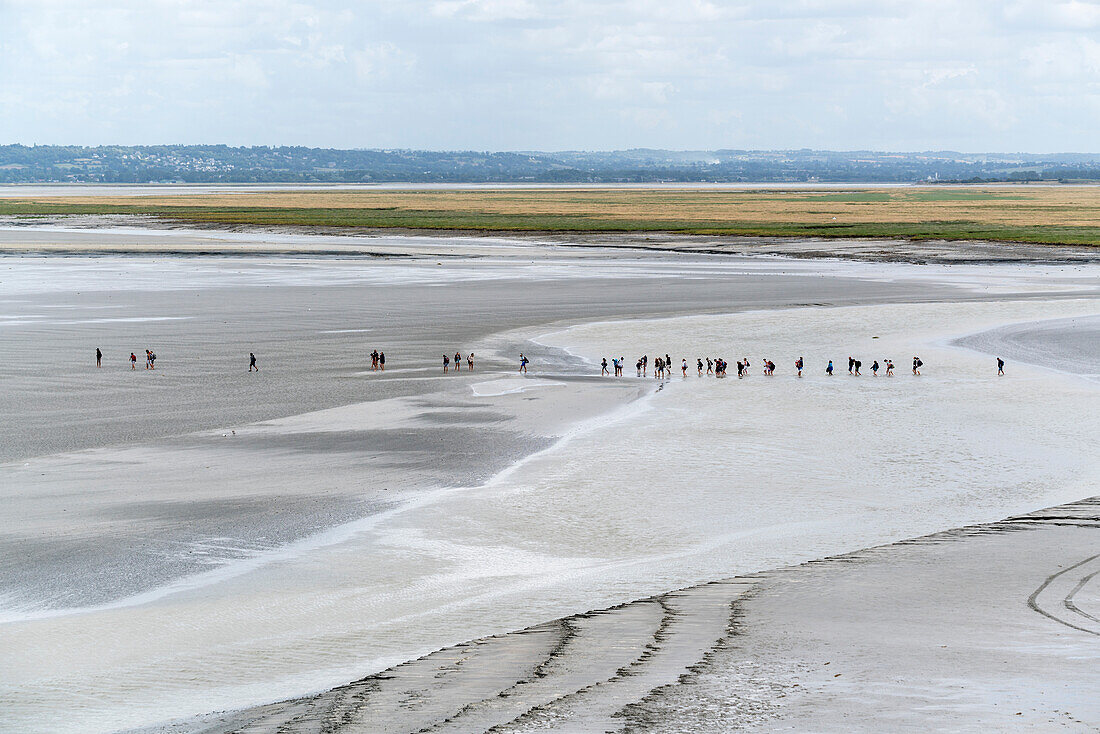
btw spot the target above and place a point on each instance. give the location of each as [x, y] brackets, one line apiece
[224, 164]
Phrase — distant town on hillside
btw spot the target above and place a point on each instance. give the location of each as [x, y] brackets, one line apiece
[259, 164]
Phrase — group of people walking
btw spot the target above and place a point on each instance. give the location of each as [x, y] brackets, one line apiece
[662, 366]
[458, 362]
[150, 359]
[855, 365]
[717, 366]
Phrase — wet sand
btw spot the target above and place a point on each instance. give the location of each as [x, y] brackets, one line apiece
[311, 323]
[206, 538]
[988, 627]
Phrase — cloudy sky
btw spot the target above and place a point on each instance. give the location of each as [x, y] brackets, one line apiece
[971, 75]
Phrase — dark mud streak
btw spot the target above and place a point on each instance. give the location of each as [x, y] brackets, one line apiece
[565, 632]
[1032, 601]
[1069, 597]
[647, 651]
[636, 714]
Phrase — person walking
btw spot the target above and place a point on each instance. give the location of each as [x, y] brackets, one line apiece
[252, 363]
[917, 364]
[446, 363]
[874, 368]
[523, 363]
[851, 364]
[1000, 367]
[382, 361]
[470, 362]
[829, 369]
[603, 367]
[458, 361]
[798, 366]
[98, 357]
[133, 361]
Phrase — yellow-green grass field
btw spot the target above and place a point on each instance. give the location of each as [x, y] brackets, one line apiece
[1036, 214]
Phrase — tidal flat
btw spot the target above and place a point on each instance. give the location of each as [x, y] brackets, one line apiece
[199, 548]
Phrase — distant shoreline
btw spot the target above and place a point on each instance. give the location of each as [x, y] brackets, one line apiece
[31, 237]
[701, 219]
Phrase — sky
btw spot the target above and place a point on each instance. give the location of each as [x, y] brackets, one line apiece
[967, 75]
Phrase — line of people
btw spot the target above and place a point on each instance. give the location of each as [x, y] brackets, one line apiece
[662, 367]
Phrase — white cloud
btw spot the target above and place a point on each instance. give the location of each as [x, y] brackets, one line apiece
[523, 74]
[1068, 15]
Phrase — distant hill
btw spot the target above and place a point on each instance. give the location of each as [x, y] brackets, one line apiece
[224, 164]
